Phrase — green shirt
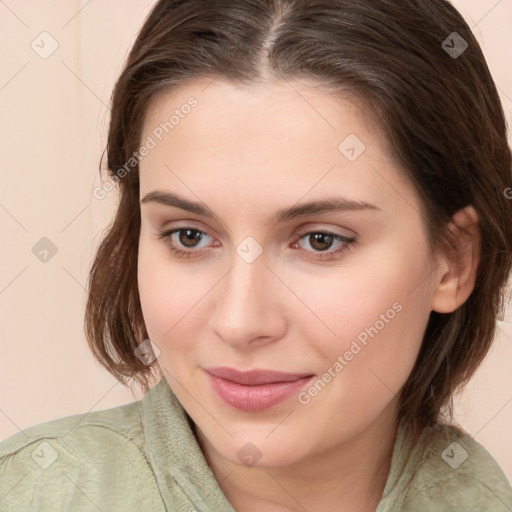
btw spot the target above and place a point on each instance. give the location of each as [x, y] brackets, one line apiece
[144, 457]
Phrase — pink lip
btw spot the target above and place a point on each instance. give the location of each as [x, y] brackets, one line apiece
[255, 390]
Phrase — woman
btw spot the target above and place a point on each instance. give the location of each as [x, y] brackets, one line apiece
[310, 250]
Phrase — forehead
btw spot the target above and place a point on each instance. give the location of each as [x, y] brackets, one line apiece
[285, 139]
[293, 108]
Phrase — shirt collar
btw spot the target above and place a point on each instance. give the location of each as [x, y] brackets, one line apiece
[179, 465]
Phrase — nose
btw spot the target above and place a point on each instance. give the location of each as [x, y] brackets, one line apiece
[248, 310]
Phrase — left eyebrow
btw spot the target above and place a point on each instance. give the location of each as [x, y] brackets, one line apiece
[332, 204]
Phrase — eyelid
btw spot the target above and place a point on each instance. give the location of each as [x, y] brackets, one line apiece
[323, 227]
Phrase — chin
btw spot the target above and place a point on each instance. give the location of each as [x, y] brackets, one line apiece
[261, 451]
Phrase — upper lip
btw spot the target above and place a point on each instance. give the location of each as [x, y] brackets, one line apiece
[254, 377]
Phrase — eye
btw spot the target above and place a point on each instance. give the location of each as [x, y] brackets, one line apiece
[319, 240]
[189, 236]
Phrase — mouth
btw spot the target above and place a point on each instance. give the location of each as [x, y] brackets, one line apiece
[255, 390]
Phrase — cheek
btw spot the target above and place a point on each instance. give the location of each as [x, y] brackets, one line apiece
[163, 293]
[378, 316]
[383, 291]
[173, 299]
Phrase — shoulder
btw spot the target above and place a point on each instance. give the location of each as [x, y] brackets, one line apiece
[452, 471]
[80, 434]
[87, 460]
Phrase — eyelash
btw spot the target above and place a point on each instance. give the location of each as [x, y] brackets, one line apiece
[323, 256]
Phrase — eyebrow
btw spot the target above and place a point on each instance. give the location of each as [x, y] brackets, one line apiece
[330, 204]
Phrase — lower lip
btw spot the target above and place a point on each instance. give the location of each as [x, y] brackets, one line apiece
[255, 398]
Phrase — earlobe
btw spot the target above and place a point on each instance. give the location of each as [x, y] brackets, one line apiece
[457, 271]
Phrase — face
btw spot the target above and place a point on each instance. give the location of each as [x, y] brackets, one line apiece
[334, 299]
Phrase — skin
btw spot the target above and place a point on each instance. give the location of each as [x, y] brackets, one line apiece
[246, 152]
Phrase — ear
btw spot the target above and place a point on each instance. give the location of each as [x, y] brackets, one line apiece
[456, 272]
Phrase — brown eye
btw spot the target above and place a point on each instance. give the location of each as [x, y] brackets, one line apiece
[185, 244]
[188, 237]
[320, 241]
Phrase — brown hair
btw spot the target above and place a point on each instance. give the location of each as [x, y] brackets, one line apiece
[440, 112]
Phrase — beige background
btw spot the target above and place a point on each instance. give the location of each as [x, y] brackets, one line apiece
[54, 117]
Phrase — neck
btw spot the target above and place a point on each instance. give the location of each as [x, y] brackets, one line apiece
[348, 477]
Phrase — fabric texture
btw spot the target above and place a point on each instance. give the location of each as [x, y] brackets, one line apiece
[143, 456]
